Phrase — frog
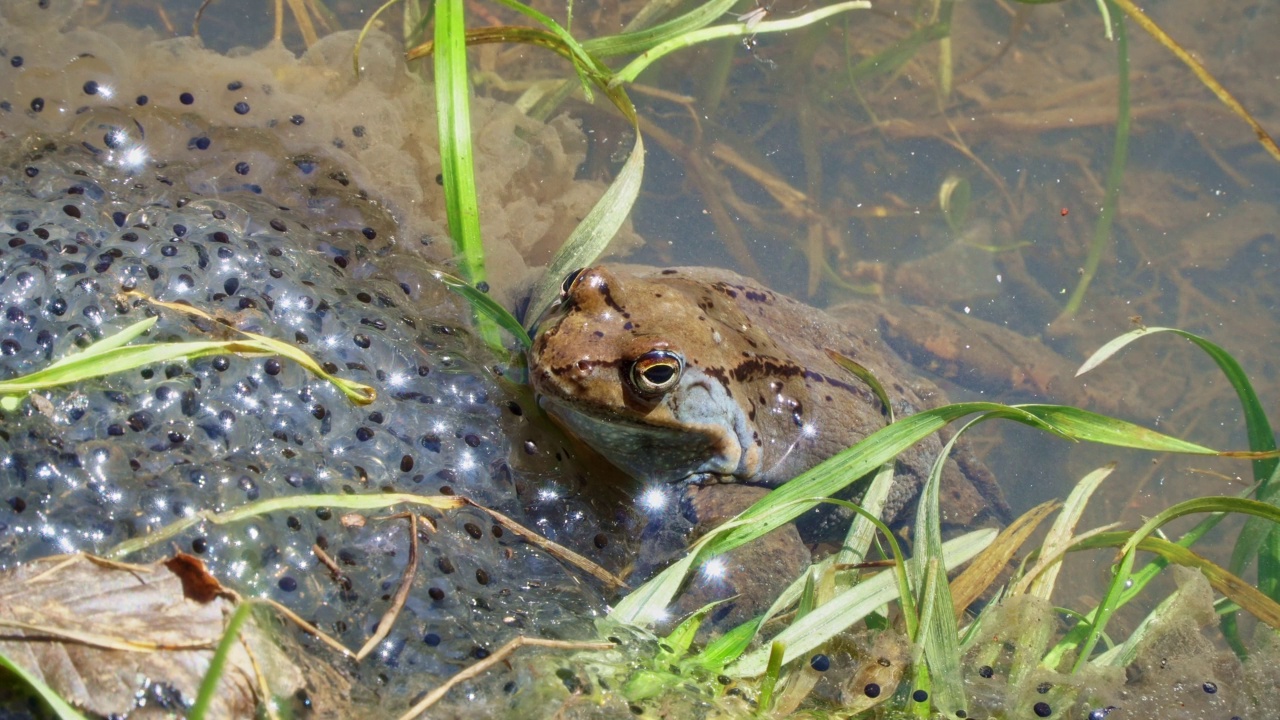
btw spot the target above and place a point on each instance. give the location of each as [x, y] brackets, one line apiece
[701, 379]
[701, 376]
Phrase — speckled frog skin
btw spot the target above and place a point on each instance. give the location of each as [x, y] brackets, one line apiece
[700, 375]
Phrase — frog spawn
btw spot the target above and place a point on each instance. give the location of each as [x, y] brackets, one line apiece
[238, 109]
[172, 205]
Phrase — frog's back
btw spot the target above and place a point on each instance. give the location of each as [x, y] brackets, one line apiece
[701, 375]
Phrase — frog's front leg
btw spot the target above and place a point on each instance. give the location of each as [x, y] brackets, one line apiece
[749, 577]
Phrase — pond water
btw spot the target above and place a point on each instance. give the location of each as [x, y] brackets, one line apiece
[276, 190]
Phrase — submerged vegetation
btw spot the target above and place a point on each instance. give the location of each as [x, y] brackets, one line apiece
[905, 636]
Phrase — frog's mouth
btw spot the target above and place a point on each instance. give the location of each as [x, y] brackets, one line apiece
[653, 452]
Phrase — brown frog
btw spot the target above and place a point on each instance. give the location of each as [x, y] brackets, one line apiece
[701, 376]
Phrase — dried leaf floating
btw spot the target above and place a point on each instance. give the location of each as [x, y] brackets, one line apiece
[90, 630]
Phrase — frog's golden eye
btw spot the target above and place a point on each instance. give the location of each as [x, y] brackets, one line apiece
[655, 372]
[568, 281]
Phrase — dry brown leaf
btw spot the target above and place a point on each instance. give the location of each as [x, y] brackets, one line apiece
[103, 635]
[986, 568]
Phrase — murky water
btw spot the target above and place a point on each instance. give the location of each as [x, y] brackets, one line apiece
[812, 160]
[1029, 125]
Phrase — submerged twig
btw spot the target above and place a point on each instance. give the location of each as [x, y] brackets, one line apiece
[501, 655]
[402, 593]
[1209, 81]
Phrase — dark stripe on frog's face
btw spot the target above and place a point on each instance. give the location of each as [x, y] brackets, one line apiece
[711, 421]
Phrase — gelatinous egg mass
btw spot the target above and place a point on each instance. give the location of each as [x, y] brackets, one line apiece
[136, 167]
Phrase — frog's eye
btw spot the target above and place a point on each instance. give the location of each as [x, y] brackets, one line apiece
[655, 372]
[568, 282]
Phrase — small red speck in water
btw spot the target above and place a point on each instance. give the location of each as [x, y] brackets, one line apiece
[1064, 212]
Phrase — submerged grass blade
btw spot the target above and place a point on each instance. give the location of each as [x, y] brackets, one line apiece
[938, 633]
[776, 651]
[1120, 581]
[364, 31]
[453, 100]
[1115, 175]
[1138, 581]
[587, 66]
[1222, 580]
[1261, 437]
[1211, 504]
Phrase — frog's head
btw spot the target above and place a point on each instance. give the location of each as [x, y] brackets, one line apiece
[638, 369]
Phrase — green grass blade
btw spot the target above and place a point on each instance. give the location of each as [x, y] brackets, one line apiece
[1138, 581]
[453, 119]
[652, 55]
[1060, 533]
[774, 668]
[482, 303]
[891, 59]
[1261, 439]
[218, 663]
[1230, 585]
[587, 66]
[61, 708]
[1114, 597]
[115, 360]
[592, 235]
[1211, 504]
[682, 637]
[111, 342]
[453, 100]
[1110, 603]
[728, 647]
[937, 632]
[1125, 653]
[862, 531]
[793, 498]
[641, 40]
[851, 606]
[1083, 425]
[84, 365]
